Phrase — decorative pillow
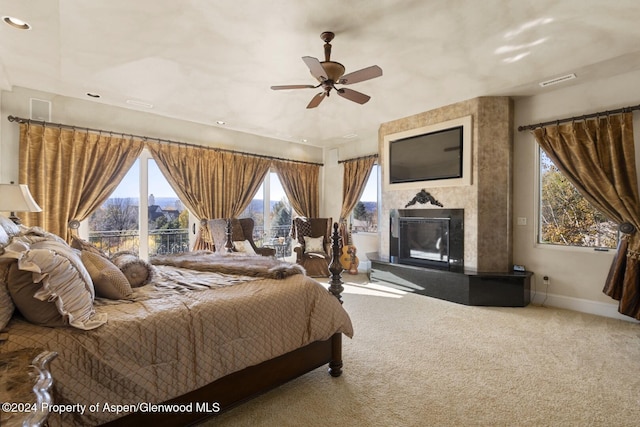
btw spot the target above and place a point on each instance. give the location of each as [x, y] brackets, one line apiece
[107, 278]
[313, 244]
[6, 303]
[37, 234]
[83, 245]
[58, 279]
[137, 271]
[303, 227]
[4, 239]
[10, 227]
[244, 246]
[42, 250]
[22, 289]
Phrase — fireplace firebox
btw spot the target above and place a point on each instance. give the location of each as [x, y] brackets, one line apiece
[432, 238]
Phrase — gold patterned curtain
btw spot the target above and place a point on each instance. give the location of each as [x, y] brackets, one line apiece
[71, 172]
[211, 183]
[239, 179]
[300, 184]
[598, 157]
[355, 177]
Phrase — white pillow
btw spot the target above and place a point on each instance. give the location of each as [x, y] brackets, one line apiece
[313, 244]
[11, 228]
[244, 246]
[4, 239]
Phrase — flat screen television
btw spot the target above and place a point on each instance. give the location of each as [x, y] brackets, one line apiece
[436, 155]
[426, 157]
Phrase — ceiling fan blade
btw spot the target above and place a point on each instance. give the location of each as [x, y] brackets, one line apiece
[353, 95]
[361, 75]
[315, 67]
[292, 87]
[316, 100]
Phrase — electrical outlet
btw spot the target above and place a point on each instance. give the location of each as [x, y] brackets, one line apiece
[546, 280]
[522, 220]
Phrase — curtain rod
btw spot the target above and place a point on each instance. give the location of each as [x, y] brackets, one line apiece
[586, 116]
[149, 138]
[358, 158]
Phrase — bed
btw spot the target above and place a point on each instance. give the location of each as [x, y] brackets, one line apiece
[203, 334]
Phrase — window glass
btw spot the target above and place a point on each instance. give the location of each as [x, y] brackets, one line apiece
[168, 220]
[566, 217]
[255, 210]
[273, 229]
[365, 213]
[115, 226]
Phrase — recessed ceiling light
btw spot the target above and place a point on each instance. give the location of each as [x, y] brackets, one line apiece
[93, 95]
[304, 140]
[221, 122]
[16, 23]
[139, 103]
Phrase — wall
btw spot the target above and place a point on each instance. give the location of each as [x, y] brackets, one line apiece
[96, 115]
[332, 197]
[576, 276]
[487, 201]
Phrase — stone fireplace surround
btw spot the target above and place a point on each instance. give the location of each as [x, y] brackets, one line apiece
[487, 202]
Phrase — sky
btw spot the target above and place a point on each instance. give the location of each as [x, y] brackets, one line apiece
[159, 187]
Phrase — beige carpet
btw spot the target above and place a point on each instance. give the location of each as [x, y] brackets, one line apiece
[418, 361]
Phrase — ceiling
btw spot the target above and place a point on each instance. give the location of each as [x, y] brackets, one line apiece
[206, 61]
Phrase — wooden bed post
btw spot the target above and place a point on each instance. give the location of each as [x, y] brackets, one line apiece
[335, 365]
[228, 245]
[336, 288]
[335, 285]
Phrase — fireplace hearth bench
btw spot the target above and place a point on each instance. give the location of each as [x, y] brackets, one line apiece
[463, 286]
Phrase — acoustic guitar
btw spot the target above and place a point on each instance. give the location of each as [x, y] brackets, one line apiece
[348, 259]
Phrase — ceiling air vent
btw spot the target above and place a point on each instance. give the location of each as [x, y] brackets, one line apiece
[557, 80]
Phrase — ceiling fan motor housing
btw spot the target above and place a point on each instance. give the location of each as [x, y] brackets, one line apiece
[334, 70]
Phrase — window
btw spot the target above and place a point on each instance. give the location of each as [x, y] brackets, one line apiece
[273, 229]
[364, 217]
[566, 217]
[148, 222]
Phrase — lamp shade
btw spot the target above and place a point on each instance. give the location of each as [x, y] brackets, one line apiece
[17, 198]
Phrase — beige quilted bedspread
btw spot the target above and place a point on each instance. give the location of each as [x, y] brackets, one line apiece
[159, 348]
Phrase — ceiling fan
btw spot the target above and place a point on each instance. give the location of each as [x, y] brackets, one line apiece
[329, 73]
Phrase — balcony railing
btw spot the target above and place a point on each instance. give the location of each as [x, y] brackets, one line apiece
[277, 237]
[161, 242]
[170, 241]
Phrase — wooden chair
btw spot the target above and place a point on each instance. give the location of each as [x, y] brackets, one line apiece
[315, 260]
[241, 230]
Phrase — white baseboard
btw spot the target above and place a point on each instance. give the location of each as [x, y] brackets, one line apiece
[579, 304]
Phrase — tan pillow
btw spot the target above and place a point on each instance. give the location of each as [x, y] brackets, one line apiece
[58, 278]
[107, 278]
[137, 271]
[313, 244]
[6, 303]
[22, 289]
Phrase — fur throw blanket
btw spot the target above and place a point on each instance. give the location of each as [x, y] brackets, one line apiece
[252, 266]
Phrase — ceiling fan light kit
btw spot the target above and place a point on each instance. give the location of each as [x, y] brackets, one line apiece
[329, 73]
